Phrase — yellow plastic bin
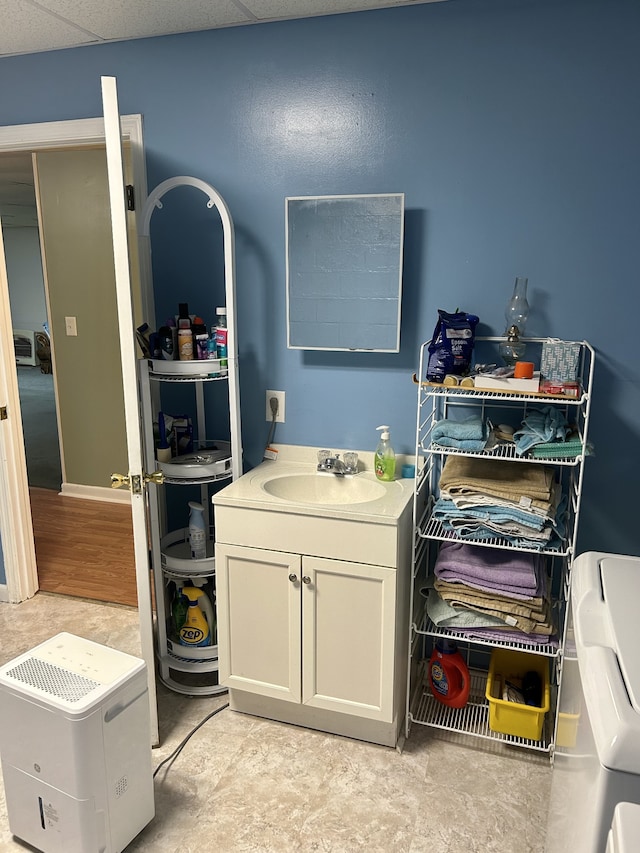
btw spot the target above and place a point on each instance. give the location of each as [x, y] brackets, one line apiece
[513, 718]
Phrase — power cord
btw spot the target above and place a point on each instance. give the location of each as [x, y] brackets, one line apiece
[273, 405]
[176, 752]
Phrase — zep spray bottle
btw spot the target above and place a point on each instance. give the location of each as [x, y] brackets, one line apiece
[197, 629]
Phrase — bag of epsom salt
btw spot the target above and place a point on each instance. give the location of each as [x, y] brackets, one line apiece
[451, 347]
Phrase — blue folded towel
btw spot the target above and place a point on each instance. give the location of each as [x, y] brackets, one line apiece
[470, 434]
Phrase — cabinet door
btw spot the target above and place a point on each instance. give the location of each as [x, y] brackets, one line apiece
[348, 618]
[259, 621]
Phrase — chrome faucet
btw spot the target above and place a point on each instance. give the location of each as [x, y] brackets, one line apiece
[333, 464]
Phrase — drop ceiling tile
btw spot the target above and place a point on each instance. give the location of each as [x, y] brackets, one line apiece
[269, 9]
[26, 28]
[126, 19]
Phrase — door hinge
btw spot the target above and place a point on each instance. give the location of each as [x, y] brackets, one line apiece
[131, 202]
[3, 413]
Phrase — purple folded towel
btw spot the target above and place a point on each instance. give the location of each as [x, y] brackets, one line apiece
[517, 570]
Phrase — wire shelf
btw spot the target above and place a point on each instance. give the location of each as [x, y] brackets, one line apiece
[435, 530]
[472, 720]
[427, 628]
[503, 451]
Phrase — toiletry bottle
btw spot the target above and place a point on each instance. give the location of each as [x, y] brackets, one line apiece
[163, 450]
[166, 343]
[385, 457]
[197, 531]
[212, 352]
[200, 338]
[221, 339]
[185, 334]
[448, 675]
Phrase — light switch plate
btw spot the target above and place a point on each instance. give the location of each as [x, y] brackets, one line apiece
[71, 326]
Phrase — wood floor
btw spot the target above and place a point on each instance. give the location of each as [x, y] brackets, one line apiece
[84, 548]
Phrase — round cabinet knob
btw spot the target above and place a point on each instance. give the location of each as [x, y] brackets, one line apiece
[306, 579]
[293, 578]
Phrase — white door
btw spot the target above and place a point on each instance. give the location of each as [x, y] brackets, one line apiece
[129, 381]
[258, 604]
[18, 552]
[348, 641]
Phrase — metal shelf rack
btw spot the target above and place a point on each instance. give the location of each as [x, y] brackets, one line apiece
[434, 403]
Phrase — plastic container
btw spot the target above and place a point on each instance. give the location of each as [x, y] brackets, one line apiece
[448, 675]
[221, 340]
[197, 531]
[385, 457]
[513, 718]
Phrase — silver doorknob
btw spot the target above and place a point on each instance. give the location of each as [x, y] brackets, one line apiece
[293, 578]
[306, 579]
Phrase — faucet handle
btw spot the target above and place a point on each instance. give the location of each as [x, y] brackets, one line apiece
[351, 461]
[323, 455]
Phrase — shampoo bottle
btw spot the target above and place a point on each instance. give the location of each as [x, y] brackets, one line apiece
[385, 457]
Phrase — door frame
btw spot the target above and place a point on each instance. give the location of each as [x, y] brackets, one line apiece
[21, 573]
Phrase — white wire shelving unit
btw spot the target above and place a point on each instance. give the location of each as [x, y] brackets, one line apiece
[434, 403]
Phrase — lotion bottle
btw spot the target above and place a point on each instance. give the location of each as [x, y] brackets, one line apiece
[385, 457]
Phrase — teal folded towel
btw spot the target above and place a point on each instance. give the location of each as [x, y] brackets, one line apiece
[470, 434]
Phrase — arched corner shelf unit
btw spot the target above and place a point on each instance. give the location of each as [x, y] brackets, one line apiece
[190, 670]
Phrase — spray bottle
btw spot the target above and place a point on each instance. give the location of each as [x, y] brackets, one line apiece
[197, 628]
[385, 457]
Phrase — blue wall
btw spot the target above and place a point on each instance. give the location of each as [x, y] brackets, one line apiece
[513, 128]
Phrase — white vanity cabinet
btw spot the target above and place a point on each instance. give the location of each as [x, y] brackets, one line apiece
[313, 612]
[326, 630]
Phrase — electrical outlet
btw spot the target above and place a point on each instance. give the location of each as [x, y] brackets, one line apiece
[70, 326]
[279, 395]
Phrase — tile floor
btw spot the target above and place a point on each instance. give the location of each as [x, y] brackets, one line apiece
[246, 784]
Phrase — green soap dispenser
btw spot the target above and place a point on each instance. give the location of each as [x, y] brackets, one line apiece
[385, 457]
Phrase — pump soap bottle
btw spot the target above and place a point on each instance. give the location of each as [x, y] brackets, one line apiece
[385, 457]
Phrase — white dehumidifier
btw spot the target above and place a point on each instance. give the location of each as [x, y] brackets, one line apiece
[75, 746]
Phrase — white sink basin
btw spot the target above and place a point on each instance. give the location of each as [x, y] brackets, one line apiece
[325, 489]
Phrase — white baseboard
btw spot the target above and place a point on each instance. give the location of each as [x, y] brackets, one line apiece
[96, 493]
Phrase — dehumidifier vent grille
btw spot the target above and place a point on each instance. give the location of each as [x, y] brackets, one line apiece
[53, 680]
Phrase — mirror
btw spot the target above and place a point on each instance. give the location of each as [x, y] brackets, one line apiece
[344, 272]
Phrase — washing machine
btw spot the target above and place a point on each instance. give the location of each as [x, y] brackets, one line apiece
[75, 746]
[597, 755]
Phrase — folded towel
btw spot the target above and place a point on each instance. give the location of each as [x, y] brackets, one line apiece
[564, 449]
[470, 434]
[511, 635]
[463, 474]
[517, 574]
[471, 428]
[445, 615]
[534, 608]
